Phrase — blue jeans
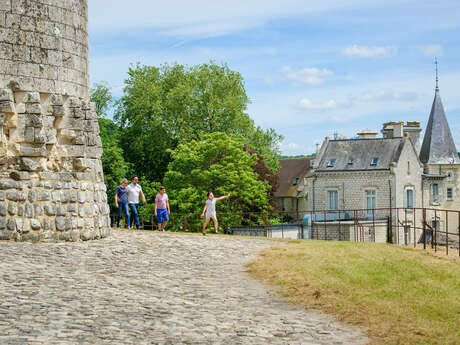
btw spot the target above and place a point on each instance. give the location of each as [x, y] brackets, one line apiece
[134, 215]
[123, 209]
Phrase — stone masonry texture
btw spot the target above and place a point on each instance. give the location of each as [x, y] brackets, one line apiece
[51, 179]
[144, 288]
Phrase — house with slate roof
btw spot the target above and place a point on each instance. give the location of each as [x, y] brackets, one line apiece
[370, 175]
[292, 194]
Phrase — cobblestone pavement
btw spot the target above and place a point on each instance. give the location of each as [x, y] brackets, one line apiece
[144, 288]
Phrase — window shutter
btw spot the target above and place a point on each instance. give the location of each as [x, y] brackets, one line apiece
[441, 189]
[405, 198]
[415, 199]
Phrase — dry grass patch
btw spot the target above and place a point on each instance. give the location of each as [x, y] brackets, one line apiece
[402, 296]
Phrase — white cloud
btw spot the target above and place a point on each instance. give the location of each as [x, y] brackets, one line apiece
[307, 104]
[431, 50]
[310, 76]
[370, 52]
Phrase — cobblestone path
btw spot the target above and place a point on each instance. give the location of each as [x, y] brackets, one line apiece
[144, 288]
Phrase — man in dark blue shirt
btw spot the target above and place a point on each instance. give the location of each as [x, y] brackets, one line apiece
[121, 202]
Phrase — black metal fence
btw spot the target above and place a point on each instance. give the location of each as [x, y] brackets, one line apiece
[423, 227]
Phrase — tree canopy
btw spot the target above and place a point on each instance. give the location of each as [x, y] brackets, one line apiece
[165, 106]
[220, 164]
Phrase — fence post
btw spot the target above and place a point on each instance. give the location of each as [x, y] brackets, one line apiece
[415, 234]
[447, 232]
[435, 232]
[325, 226]
[373, 224]
[406, 233]
[424, 228]
[340, 229]
[390, 228]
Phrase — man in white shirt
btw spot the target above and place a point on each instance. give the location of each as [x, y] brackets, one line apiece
[134, 190]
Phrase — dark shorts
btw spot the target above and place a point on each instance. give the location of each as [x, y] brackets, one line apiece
[162, 215]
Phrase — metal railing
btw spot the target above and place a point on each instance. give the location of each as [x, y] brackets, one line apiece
[424, 227]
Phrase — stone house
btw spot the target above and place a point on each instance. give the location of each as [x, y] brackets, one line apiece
[367, 176]
[292, 194]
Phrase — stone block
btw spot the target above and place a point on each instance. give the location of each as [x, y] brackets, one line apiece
[61, 210]
[30, 164]
[61, 224]
[8, 184]
[7, 107]
[20, 175]
[12, 208]
[22, 225]
[29, 210]
[65, 236]
[58, 110]
[33, 151]
[2, 223]
[6, 95]
[65, 196]
[74, 235]
[86, 235]
[2, 195]
[11, 224]
[20, 210]
[32, 97]
[38, 210]
[50, 209]
[43, 195]
[33, 108]
[48, 236]
[6, 235]
[12, 194]
[2, 209]
[31, 195]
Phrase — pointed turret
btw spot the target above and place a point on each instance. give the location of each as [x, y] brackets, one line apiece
[438, 145]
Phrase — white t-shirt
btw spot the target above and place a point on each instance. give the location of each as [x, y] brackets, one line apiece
[133, 193]
[211, 209]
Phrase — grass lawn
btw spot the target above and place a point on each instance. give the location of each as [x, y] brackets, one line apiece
[400, 295]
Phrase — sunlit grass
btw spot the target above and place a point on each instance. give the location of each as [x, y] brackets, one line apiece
[400, 296]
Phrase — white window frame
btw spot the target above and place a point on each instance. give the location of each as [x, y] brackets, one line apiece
[330, 206]
[408, 204]
[436, 199]
[451, 197]
[371, 193]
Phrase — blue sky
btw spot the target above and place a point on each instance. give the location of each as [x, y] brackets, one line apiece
[311, 68]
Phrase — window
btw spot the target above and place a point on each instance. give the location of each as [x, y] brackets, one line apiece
[331, 163]
[436, 193]
[350, 161]
[370, 202]
[409, 199]
[450, 194]
[408, 168]
[296, 181]
[374, 160]
[333, 199]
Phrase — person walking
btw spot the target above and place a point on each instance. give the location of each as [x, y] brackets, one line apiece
[210, 211]
[162, 210]
[121, 202]
[134, 190]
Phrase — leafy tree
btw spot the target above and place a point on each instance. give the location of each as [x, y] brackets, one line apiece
[101, 94]
[114, 166]
[174, 104]
[217, 163]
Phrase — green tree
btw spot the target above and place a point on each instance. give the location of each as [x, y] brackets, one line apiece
[217, 163]
[114, 165]
[174, 104]
[101, 94]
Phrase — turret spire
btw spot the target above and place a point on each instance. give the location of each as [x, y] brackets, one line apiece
[437, 80]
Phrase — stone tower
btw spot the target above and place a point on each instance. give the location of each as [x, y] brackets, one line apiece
[51, 179]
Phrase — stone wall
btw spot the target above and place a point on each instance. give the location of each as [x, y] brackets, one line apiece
[51, 178]
[44, 46]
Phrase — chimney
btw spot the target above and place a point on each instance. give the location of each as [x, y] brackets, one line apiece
[387, 129]
[367, 134]
[412, 130]
[398, 129]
